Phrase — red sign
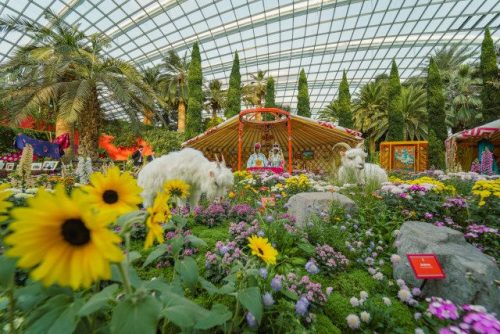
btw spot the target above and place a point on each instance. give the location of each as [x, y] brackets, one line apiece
[426, 266]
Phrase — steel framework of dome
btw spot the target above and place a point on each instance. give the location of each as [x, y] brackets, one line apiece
[279, 36]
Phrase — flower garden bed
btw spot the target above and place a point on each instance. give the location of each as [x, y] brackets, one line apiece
[86, 259]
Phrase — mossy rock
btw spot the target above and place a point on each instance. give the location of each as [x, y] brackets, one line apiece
[351, 283]
[395, 318]
[323, 325]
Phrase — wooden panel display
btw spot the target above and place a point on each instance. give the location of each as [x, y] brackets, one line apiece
[404, 155]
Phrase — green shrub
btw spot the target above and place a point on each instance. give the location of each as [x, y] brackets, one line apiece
[7, 135]
[337, 309]
[396, 318]
[323, 325]
[163, 141]
[353, 282]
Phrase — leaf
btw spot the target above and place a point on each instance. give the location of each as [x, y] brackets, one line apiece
[134, 316]
[188, 270]
[67, 321]
[195, 241]
[98, 301]
[251, 299]
[307, 248]
[7, 271]
[177, 243]
[134, 256]
[156, 253]
[218, 315]
[41, 320]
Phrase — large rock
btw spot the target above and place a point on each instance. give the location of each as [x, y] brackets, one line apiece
[471, 276]
[304, 205]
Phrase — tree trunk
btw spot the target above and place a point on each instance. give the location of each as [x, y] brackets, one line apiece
[148, 116]
[89, 126]
[181, 121]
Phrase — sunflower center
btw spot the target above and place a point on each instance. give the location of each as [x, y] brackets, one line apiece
[110, 196]
[260, 251]
[75, 232]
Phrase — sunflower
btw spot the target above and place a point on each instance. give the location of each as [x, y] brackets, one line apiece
[114, 193]
[63, 240]
[158, 214]
[4, 205]
[176, 188]
[263, 249]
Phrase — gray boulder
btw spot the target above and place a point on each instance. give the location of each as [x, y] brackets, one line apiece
[471, 276]
[304, 205]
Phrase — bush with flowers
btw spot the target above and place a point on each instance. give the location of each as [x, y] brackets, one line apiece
[98, 263]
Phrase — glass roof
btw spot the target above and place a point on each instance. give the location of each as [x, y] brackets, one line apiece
[279, 36]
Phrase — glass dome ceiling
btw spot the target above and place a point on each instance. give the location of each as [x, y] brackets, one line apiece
[278, 36]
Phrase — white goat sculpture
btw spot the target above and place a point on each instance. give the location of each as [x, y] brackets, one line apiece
[189, 165]
[354, 166]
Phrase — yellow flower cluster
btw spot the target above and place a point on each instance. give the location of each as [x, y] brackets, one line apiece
[298, 183]
[262, 248]
[438, 186]
[242, 174]
[158, 214]
[396, 180]
[65, 238]
[485, 189]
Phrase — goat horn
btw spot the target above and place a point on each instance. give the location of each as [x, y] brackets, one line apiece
[216, 157]
[360, 145]
[344, 145]
[223, 160]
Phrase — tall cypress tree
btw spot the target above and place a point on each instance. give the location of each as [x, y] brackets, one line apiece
[270, 95]
[395, 117]
[195, 94]
[490, 95]
[233, 106]
[303, 107]
[344, 103]
[437, 117]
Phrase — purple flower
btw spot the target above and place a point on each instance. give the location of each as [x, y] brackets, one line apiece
[267, 299]
[251, 321]
[482, 322]
[442, 309]
[269, 219]
[329, 290]
[301, 306]
[428, 215]
[276, 283]
[416, 291]
[263, 273]
[311, 267]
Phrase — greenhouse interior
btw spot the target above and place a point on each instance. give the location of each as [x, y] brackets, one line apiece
[232, 166]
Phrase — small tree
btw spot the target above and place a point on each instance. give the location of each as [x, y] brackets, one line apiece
[270, 94]
[395, 117]
[195, 94]
[344, 104]
[490, 94]
[436, 116]
[303, 107]
[234, 92]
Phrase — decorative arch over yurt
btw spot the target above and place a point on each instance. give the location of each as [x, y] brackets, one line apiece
[310, 141]
[463, 147]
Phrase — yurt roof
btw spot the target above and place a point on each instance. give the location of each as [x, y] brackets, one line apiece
[490, 131]
[306, 134]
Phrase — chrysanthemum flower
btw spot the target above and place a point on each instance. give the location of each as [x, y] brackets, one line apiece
[114, 193]
[159, 213]
[176, 188]
[63, 240]
[263, 249]
[4, 205]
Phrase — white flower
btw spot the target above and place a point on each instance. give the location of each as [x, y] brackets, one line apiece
[365, 316]
[31, 190]
[395, 258]
[395, 233]
[387, 301]
[400, 283]
[419, 331]
[404, 295]
[354, 301]
[372, 271]
[417, 315]
[363, 294]
[23, 195]
[353, 321]
[378, 276]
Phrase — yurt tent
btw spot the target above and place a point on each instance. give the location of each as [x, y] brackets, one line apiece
[310, 141]
[464, 147]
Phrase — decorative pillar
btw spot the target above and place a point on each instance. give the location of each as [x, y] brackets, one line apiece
[240, 143]
[290, 154]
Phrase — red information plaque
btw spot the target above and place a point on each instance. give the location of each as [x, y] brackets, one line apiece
[426, 266]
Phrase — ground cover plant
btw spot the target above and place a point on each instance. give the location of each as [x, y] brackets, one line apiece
[86, 258]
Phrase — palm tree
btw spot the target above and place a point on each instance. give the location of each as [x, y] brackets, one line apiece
[448, 59]
[412, 104]
[152, 77]
[174, 85]
[463, 107]
[216, 98]
[330, 112]
[255, 91]
[64, 69]
[370, 112]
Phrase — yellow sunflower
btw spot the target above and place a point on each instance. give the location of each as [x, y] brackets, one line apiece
[113, 193]
[63, 240]
[176, 188]
[263, 249]
[159, 213]
[4, 205]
